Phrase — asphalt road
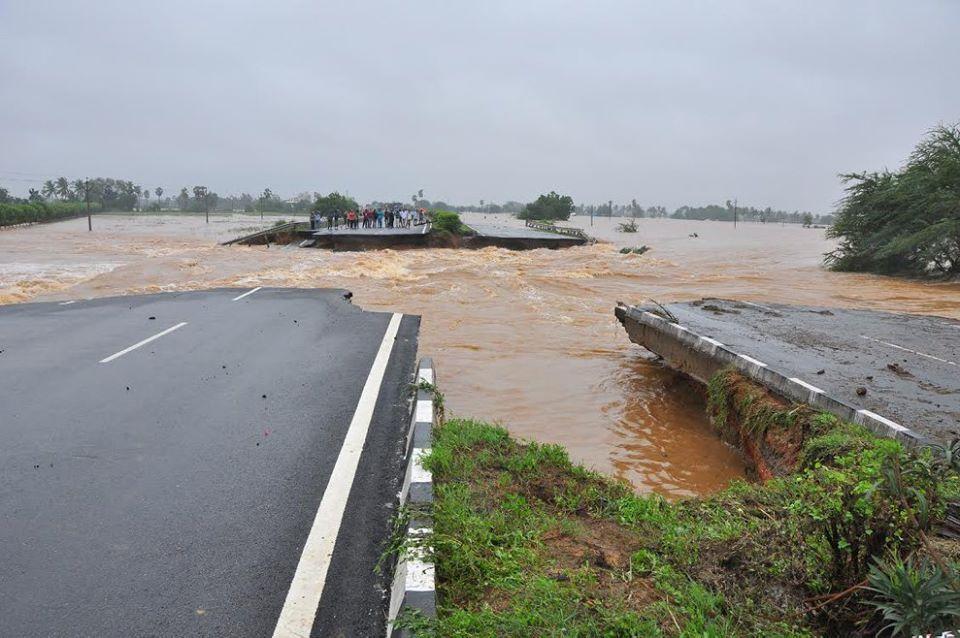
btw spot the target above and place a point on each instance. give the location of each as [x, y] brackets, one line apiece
[171, 489]
[519, 232]
[908, 365]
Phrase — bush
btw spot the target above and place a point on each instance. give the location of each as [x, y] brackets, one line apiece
[445, 220]
[914, 595]
[906, 221]
[11, 214]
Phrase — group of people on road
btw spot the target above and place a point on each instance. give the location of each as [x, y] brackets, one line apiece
[379, 217]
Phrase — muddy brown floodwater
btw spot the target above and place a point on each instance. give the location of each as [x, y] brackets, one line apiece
[525, 338]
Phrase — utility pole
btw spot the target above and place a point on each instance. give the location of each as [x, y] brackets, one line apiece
[734, 212]
[86, 197]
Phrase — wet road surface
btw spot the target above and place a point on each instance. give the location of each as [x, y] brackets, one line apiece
[906, 367]
[175, 464]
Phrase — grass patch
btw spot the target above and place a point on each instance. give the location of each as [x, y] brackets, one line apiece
[529, 544]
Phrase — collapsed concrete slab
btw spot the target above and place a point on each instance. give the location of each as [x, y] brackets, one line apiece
[881, 370]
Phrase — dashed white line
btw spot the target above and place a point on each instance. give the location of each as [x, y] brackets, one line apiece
[143, 343]
[300, 607]
[920, 354]
[67, 303]
[249, 292]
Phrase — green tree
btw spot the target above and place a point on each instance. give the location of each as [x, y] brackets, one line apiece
[183, 199]
[550, 206]
[335, 203]
[159, 191]
[4, 195]
[49, 189]
[63, 189]
[907, 221]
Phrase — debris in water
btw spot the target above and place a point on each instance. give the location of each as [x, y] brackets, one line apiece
[821, 371]
[861, 391]
[151, 318]
[639, 250]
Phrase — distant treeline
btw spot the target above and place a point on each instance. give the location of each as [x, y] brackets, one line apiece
[716, 212]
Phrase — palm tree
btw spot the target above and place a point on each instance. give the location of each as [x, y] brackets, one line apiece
[49, 189]
[79, 189]
[159, 191]
[63, 189]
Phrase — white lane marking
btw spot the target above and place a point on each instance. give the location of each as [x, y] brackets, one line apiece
[812, 388]
[892, 424]
[249, 292]
[420, 474]
[300, 607]
[143, 343]
[426, 375]
[921, 354]
[424, 412]
[752, 360]
[67, 303]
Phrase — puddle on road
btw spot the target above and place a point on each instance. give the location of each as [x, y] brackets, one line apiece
[525, 338]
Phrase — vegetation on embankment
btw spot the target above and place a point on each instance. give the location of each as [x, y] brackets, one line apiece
[905, 221]
[529, 544]
[27, 213]
[445, 221]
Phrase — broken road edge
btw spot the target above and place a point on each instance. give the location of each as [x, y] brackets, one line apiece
[701, 357]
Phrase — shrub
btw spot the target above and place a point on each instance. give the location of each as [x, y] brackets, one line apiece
[11, 214]
[444, 220]
[914, 596]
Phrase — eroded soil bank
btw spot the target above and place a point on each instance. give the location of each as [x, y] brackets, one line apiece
[526, 338]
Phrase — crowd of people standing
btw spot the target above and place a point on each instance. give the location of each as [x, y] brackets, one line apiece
[370, 217]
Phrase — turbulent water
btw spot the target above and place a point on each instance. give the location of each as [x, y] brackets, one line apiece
[525, 338]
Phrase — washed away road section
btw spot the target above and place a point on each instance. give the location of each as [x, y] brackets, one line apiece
[217, 463]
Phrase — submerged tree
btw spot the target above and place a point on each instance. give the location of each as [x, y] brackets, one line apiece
[907, 221]
[549, 206]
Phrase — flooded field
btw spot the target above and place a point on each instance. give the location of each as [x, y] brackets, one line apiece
[525, 338]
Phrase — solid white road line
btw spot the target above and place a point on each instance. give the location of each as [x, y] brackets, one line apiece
[300, 608]
[249, 292]
[142, 343]
[921, 354]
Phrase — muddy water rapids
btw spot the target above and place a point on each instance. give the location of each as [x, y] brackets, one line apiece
[524, 338]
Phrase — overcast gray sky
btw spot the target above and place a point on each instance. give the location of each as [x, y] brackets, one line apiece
[667, 102]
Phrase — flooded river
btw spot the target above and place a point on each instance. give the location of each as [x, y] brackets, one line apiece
[525, 338]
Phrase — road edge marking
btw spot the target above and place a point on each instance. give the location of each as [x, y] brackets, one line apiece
[249, 292]
[306, 589]
[117, 355]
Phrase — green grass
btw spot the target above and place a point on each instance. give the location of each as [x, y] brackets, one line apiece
[529, 544]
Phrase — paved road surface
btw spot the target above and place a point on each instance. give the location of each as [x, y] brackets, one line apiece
[853, 349]
[170, 488]
[522, 232]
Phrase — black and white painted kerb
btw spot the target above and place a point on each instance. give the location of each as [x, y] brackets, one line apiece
[701, 357]
[414, 583]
